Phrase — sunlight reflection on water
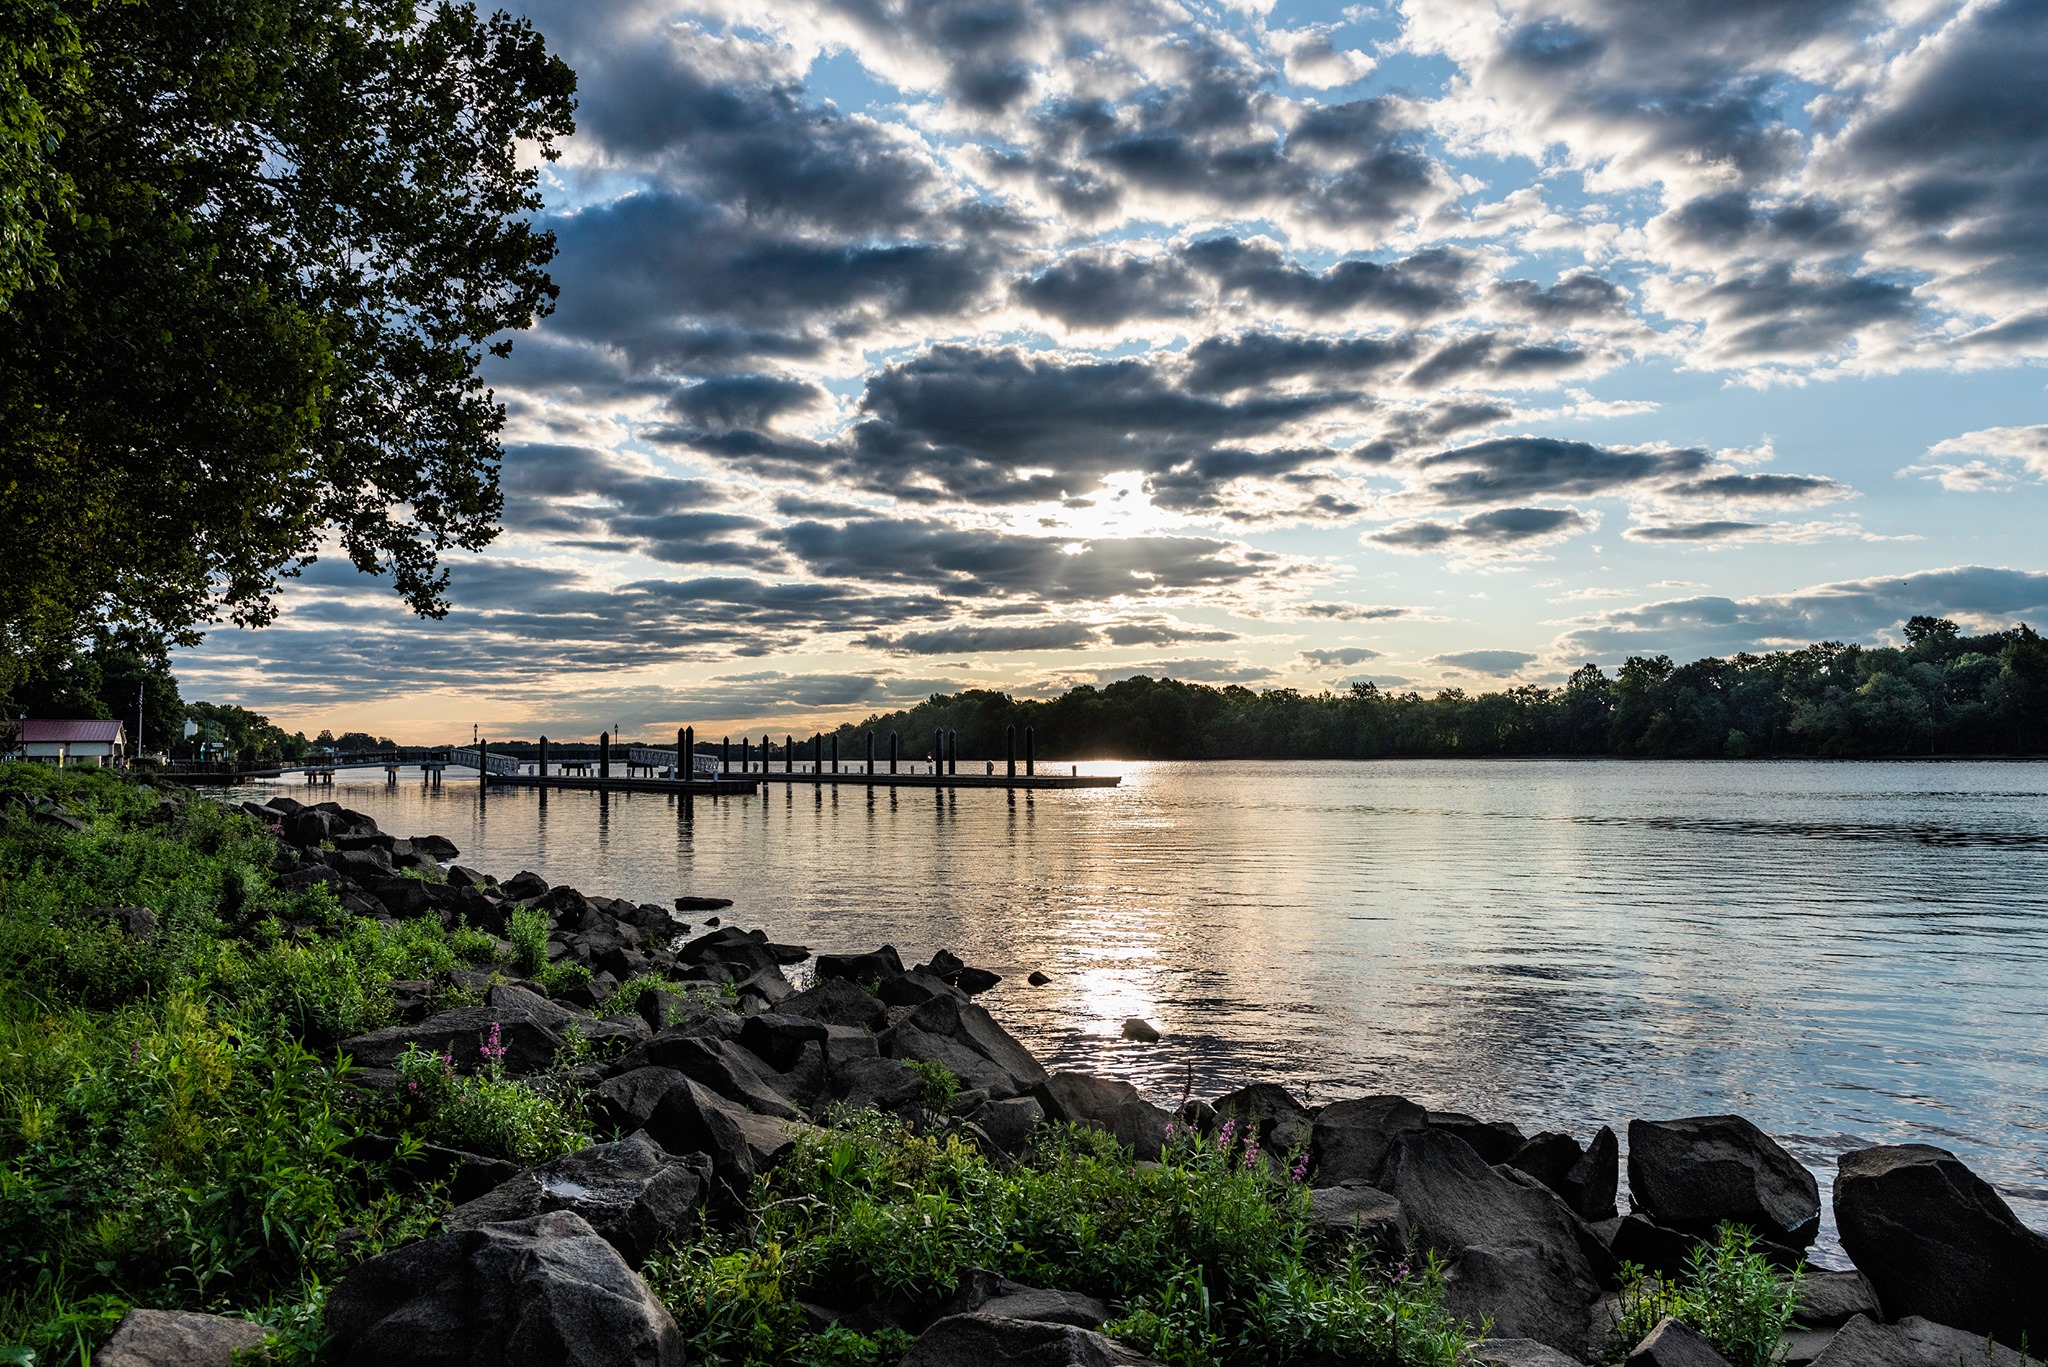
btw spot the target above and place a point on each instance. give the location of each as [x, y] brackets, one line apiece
[1843, 952]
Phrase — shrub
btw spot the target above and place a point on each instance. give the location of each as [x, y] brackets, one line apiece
[528, 931]
[938, 1084]
[1211, 1258]
[473, 946]
[483, 1112]
[555, 979]
[1730, 1294]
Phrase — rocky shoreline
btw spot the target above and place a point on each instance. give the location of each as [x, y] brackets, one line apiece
[715, 1076]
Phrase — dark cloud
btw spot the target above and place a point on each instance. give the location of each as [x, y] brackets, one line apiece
[1498, 663]
[1341, 658]
[1514, 468]
[1353, 612]
[1784, 490]
[1693, 531]
[1779, 312]
[969, 638]
[1578, 297]
[1502, 529]
[969, 563]
[577, 497]
[1736, 222]
[1256, 359]
[1851, 610]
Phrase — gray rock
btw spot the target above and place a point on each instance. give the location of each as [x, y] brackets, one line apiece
[1936, 1241]
[1104, 1104]
[178, 1338]
[626, 1101]
[906, 1041]
[635, 1195]
[861, 968]
[1009, 1124]
[134, 923]
[1270, 1113]
[1652, 1247]
[540, 1292]
[511, 997]
[1692, 1173]
[778, 1040]
[882, 1084]
[1362, 1211]
[690, 1118]
[1493, 1140]
[1798, 1347]
[987, 1340]
[1912, 1342]
[1351, 1139]
[1513, 1251]
[1141, 1030]
[836, 1001]
[1519, 1353]
[734, 1073]
[1672, 1344]
[436, 847]
[1831, 1298]
[529, 1046]
[982, 1290]
[972, 1025]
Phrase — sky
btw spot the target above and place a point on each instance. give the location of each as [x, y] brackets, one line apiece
[907, 346]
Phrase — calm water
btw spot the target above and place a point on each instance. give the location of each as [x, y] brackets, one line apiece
[1845, 953]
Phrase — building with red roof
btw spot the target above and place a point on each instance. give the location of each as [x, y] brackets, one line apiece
[70, 741]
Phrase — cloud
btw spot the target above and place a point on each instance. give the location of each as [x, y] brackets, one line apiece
[1501, 533]
[1498, 663]
[1510, 469]
[1849, 610]
[2007, 455]
[1344, 657]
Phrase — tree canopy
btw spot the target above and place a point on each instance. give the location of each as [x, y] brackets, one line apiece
[1943, 693]
[251, 255]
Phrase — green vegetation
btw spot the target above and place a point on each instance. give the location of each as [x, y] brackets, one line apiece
[1212, 1262]
[1731, 1295]
[174, 1126]
[1943, 693]
[938, 1085]
[252, 253]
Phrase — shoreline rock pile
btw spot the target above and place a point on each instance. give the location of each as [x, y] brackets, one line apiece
[539, 1266]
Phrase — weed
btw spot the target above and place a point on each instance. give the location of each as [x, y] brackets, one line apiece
[1730, 1294]
[938, 1086]
[527, 929]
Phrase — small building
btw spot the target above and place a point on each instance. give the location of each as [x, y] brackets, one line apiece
[71, 742]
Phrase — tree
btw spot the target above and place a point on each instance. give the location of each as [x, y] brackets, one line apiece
[289, 230]
[105, 680]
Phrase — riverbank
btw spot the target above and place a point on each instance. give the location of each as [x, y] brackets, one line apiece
[798, 1158]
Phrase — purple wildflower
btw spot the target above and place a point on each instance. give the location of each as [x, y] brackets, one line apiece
[1226, 1136]
[1300, 1170]
[1251, 1155]
[134, 1052]
[493, 1049]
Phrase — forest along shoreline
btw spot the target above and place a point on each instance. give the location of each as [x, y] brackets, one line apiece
[533, 1125]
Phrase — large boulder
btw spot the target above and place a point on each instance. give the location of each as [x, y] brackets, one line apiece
[1519, 1353]
[1350, 1140]
[1359, 1211]
[1936, 1241]
[779, 1040]
[1268, 1113]
[1513, 1251]
[1494, 1140]
[1913, 1342]
[972, 1026]
[529, 1045]
[691, 1118]
[1105, 1104]
[1828, 1298]
[835, 1001]
[734, 1073]
[541, 1292]
[990, 1340]
[1693, 1173]
[908, 1042]
[634, 1194]
[871, 967]
[982, 1290]
[1587, 1178]
[178, 1338]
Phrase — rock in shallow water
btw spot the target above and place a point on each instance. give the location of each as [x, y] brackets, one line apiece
[1936, 1241]
[1692, 1173]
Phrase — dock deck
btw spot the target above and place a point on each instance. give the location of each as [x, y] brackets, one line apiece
[735, 785]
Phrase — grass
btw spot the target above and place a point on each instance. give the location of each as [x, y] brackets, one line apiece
[174, 1121]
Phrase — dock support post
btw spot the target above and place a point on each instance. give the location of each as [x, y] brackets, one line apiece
[682, 757]
[789, 754]
[543, 756]
[1010, 747]
[952, 751]
[746, 755]
[1030, 752]
[893, 746]
[604, 754]
[818, 753]
[689, 755]
[871, 753]
[724, 756]
[835, 752]
[939, 752]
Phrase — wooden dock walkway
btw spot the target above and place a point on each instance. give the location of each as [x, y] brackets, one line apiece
[738, 785]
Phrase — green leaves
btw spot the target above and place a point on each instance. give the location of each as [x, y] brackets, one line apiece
[293, 228]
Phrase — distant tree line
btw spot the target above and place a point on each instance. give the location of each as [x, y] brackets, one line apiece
[1943, 693]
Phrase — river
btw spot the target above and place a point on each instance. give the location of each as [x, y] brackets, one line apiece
[1846, 953]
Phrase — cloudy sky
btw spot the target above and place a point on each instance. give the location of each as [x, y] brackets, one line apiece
[910, 345]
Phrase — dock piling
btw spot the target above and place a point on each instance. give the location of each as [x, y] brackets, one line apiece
[892, 751]
[604, 754]
[543, 757]
[1010, 747]
[1030, 753]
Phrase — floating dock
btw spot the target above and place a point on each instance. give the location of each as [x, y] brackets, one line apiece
[739, 785]
[730, 786]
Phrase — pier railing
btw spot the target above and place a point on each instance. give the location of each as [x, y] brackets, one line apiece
[496, 764]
